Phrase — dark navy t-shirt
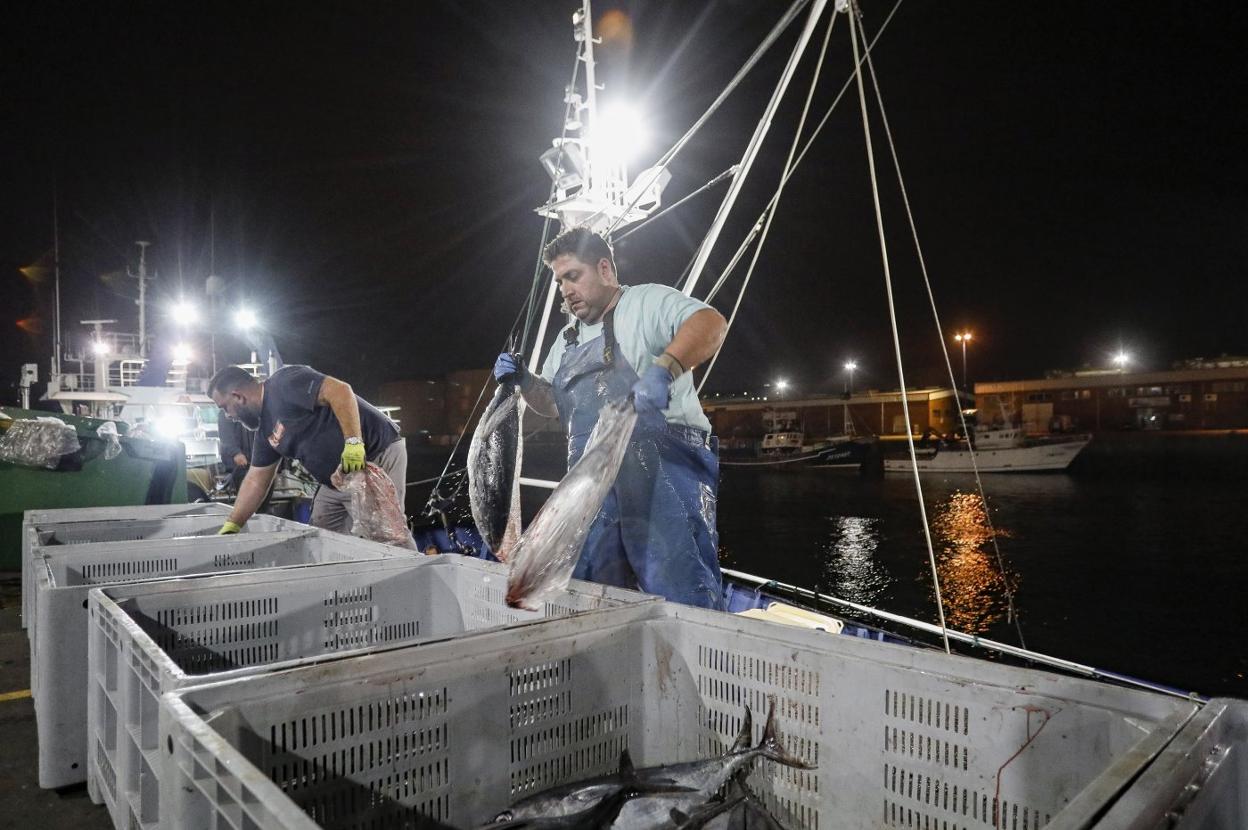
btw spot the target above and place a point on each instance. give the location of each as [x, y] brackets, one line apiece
[294, 425]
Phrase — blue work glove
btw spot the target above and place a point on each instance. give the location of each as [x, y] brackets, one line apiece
[653, 392]
[509, 367]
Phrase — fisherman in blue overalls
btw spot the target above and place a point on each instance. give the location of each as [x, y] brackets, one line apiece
[656, 530]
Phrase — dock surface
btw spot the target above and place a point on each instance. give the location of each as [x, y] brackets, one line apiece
[25, 805]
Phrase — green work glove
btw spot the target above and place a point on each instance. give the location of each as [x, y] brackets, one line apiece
[353, 456]
[228, 528]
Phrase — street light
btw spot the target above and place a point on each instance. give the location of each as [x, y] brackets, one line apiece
[963, 337]
[1121, 360]
[850, 366]
[781, 385]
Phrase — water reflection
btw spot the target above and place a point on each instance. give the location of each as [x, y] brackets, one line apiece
[971, 584]
[851, 570]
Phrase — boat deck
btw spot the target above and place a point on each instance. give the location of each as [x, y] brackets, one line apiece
[25, 805]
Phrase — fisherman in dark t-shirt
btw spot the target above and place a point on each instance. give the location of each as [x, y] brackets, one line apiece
[302, 414]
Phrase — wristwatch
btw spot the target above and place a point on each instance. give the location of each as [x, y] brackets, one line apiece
[354, 440]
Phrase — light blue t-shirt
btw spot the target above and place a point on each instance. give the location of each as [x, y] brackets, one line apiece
[646, 320]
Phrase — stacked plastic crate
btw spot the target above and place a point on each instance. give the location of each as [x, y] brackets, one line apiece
[151, 638]
[455, 732]
[69, 556]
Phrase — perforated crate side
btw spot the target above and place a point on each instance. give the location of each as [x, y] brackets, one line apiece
[59, 644]
[902, 737]
[453, 736]
[229, 627]
[910, 738]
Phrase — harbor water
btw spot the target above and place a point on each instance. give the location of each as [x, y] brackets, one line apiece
[1138, 575]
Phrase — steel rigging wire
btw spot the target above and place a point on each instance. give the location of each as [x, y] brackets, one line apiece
[892, 317]
[940, 334]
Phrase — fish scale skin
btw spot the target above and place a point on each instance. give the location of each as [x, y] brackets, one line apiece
[544, 557]
[493, 477]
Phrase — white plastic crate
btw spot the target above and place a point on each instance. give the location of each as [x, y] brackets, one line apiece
[903, 737]
[44, 531]
[155, 637]
[1198, 782]
[58, 647]
[46, 519]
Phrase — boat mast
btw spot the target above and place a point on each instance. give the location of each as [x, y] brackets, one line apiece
[591, 186]
[142, 277]
[56, 268]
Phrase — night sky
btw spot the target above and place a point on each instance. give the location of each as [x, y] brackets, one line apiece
[365, 178]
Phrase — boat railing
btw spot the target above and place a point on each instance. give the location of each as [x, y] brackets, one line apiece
[973, 640]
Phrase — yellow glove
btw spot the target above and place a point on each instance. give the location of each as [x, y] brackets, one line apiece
[353, 456]
[228, 528]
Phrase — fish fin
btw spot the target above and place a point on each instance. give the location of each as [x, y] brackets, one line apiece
[771, 747]
[746, 734]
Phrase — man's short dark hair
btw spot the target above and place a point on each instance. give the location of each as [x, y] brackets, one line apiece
[228, 379]
[581, 243]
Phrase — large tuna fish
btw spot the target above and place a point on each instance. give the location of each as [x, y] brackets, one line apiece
[494, 459]
[598, 813]
[703, 779]
[544, 558]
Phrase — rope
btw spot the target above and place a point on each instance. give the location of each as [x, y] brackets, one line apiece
[671, 154]
[758, 225]
[979, 484]
[800, 157]
[892, 316]
[775, 199]
[526, 312]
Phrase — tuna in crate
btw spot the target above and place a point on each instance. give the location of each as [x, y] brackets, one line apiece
[456, 732]
[62, 580]
[154, 637]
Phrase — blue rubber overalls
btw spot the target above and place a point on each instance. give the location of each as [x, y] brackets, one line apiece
[656, 530]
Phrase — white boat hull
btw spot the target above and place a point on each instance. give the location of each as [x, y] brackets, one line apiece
[1043, 457]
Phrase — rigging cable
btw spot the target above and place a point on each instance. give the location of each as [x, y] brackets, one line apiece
[892, 315]
[979, 484]
[800, 157]
[731, 171]
[666, 159]
[770, 212]
[526, 312]
[757, 227]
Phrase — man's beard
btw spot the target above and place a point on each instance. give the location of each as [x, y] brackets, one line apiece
[249, 418]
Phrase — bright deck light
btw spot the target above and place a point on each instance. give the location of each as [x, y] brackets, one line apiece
[246, 319]
[1122, 359]
[850, 366]
[182, 353]
[619, 134]
[99, 348]
[183, 313]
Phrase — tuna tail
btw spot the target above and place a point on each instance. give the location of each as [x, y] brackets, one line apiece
[627, 771]
[746, 734]
[772, 749]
